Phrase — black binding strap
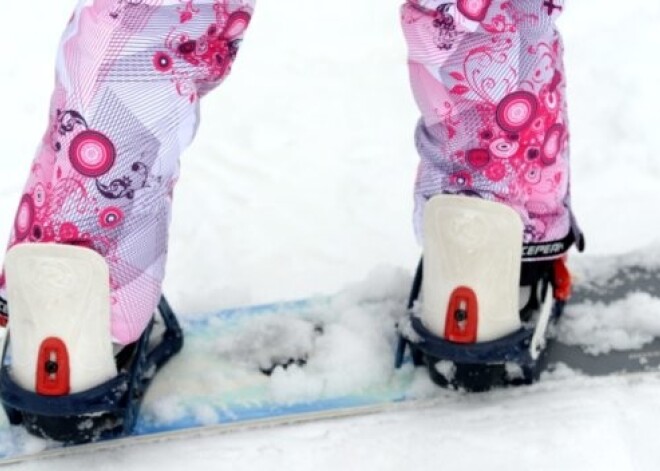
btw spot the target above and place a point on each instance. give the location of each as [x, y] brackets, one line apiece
[553, 249]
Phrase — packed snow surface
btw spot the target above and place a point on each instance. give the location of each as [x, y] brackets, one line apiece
[300, 182]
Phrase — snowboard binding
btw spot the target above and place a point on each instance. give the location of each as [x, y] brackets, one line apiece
[478, 316]
[62, 381]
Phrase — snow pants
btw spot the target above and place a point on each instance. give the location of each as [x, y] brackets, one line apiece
[487, 76]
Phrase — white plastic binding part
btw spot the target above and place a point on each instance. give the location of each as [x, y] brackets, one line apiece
[63, 292]
[474, 243]
[538, 339]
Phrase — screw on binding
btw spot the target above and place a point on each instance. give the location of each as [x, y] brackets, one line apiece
[462, 316]
[51, 367]
[54, 378]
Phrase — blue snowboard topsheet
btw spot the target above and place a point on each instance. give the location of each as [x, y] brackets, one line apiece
[233, 410]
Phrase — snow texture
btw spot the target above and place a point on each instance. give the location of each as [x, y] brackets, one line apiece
[300, 181]
[600, 328]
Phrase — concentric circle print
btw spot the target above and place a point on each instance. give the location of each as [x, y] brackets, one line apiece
[39, 195]
[503, 148]
[111, 217]
[24, 217]
[551, 100]
[516, 111]
[533, 174]
[92, 154]
[162, 62]
[474, 10]
[538, 126]
[552, 144]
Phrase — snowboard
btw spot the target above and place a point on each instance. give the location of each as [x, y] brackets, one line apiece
[332, 357]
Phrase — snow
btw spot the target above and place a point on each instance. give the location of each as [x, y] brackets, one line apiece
[446, 368]
[270, 341]
[300, 182]
[355, 351]
[599, 328]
